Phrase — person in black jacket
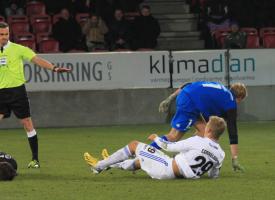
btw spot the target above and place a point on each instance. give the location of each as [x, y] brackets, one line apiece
[146, 29]
[236, 39]
[119, 36]
[67, 32]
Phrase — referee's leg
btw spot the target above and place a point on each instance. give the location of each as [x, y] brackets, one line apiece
[33, 141]
[21, 108]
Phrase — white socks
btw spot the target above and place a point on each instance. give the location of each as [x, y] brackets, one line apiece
[126, 165]
[31, 133]
[120, 155]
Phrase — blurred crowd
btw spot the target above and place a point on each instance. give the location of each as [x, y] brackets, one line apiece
[103, 25]
[231, 18]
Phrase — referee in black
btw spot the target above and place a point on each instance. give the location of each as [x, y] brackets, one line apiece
[13, 96]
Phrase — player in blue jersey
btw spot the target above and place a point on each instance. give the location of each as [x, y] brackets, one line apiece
[196, 102]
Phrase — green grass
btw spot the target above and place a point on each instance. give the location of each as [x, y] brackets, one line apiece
[64, 174]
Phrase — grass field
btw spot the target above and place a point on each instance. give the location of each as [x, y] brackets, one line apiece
[64, 175]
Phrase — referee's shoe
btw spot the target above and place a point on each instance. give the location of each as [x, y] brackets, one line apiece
[34, 164]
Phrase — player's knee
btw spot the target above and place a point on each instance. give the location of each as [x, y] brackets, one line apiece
[1, 116]
[133, 146]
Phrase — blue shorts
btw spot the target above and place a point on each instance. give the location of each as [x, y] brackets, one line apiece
[186, 113]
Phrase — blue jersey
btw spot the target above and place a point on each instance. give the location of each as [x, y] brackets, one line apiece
[208, 98]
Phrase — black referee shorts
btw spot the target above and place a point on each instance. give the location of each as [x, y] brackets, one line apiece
[14, 100]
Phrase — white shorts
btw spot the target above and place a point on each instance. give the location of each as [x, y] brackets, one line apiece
[154, 162]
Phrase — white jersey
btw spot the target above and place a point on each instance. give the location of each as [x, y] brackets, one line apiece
[200, 154]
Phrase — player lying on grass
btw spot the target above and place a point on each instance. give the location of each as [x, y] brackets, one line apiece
[195, 156]
[196, 102]
[8, 167]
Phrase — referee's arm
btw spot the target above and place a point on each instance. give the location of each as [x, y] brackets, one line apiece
[47, 65]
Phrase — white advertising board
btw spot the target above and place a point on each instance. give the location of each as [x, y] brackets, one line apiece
[100, 71]
[121, 70]
[252, 67]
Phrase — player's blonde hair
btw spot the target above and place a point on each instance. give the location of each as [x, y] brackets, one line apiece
[217, 126]
[239, 90]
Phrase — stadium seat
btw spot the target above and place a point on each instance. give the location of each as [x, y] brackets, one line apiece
[252, 41]
[28, 43]
[19, 27]
[269, 40]
[42, 36]
[17, 18]
[49, 46]
[40, 18]
[23, 36]
[220, 36]
[2, 19]
[42, 27]
[266, 30]
[249, 30]
[221, 39]
[81, 18]
[35, 8]
[56, 18]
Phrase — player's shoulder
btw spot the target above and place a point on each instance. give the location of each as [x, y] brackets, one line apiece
[195, 139]
[21, 49]
[220, 152]
[16, 47]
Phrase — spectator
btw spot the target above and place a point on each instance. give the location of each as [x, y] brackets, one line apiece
[67, 32]
[146, 29]
[14, 7]
[119, 36]
[215, 17]
[236, 39]
[94, 30]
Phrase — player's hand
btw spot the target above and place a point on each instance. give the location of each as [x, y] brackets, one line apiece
[61, 69]
[152, 137]
[164, 105]
[236, 166]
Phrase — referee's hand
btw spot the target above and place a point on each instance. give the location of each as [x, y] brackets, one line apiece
[61, 69]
